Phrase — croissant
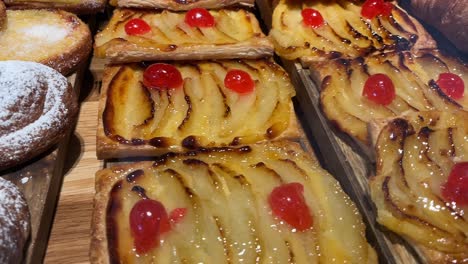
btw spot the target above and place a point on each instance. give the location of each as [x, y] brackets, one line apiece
[449, 17]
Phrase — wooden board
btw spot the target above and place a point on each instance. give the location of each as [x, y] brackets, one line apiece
[39, 180]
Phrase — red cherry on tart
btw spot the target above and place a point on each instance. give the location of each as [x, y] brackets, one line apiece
[162, 76]
[312, 17]
[239, 81]
[137, 26]
[148, 220]
[373, 8]
[456, 187]
[287, 203]
[379, 89]
[452, 85]
[177, 215]
[199, 17]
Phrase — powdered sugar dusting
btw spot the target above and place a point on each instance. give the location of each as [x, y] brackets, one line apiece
[14, 223]
[31, 102]
[47, 33]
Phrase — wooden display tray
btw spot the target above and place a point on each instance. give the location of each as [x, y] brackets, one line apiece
[40, 180]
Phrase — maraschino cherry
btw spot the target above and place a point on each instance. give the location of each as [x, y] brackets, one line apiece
[287, 202]
[312, 17]
[373, 8]
[162, 76]
[379, 89]
[452, 85]
[456, 187]
[148, 220]
[137, 26]
[199, 17]
[239, 81]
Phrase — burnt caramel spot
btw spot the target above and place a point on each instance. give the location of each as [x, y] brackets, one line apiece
[140, 191]
[113, 207]
[132, 176]
[162, 160]
[190, 142]
[235, 141]
[137, 141]
[159, 142]
[335, 54]
[291, 253]
[425, 132]
[188, 113]
[399, 129]
[194, 162]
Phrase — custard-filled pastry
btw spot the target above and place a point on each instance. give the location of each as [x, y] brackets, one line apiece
[255, 204]
[353, 92]
[55, 38]
[314, 30]
[74, 6]
[193, 105]
[178, 5]
[134, 36]
[421, 183]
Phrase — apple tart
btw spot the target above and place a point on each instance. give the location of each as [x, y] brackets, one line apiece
[134, 36]
[421, 182]
[255, 204]
[353, 92]
[147, 110]
[321, 30]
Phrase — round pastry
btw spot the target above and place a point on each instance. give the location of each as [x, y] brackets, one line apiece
[37, 105]
[14, 222]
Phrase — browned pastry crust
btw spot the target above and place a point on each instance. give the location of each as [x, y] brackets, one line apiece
[75, 6]
[37, 105]
[414, 154]
[55, 38]
[14, 223]
[161, 129]
[338, 231]
[237, 34]
[2, 15]
[178, 5]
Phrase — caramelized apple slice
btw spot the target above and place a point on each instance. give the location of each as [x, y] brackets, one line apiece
[415, 154]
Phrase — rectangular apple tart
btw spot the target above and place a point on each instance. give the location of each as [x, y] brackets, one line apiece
[320, 30]
[150, 110]
[421, 183]
[353, 92]
[264, 203]
[134, 36]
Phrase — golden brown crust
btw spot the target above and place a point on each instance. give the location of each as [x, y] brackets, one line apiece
[77, 7]
[2, 15]
[63, 54]
[110, 148]
[175, 40]
[179, 5]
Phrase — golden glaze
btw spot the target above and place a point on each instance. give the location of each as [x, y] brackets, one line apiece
[228, 218]
[412, 75]
[346, 34]
[415, 154]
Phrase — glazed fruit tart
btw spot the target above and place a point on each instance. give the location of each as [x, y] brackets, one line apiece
[262, 203]
[152, 109]
[421, 183]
